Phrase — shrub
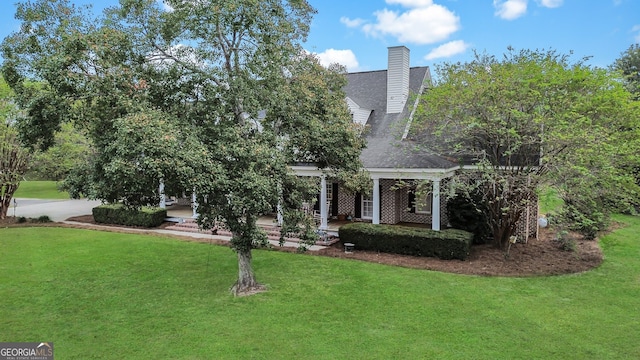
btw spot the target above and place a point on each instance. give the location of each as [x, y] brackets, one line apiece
[582, 219]
[119, 214]
[42, 219]
[445, 244]
[470, 214]
[22, 220]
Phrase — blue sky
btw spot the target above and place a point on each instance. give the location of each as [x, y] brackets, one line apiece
[357, 33]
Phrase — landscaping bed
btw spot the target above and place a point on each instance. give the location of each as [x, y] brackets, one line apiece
[538, 257]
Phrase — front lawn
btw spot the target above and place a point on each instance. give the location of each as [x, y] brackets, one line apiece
[100, 295]
[40, 190]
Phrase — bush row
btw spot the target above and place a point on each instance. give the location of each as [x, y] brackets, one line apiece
[445, 244]
[119, 214]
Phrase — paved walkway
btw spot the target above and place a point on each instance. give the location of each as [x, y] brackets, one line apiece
[61, 210]
[56, 210]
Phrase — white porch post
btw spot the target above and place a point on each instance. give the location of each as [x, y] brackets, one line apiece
[163, 201]
[376, 201]
[323, 203]
[435, 206]
[194, 204]
[279, 214]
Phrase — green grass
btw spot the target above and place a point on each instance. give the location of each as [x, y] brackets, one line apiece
[40, 190]
[549, 200]
[101, 295]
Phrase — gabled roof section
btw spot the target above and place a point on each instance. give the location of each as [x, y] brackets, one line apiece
[359, 114]
[384, 132]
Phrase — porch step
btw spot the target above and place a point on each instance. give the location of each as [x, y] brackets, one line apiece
[273, 232]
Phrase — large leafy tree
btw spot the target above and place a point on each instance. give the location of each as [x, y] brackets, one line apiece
[629, 65]
[525, 119]
[224, 86]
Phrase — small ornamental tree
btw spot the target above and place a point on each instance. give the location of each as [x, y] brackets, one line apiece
[528, 118]
[13, 165]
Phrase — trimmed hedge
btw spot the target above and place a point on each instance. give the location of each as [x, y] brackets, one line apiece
[119, 214]
[446, 244]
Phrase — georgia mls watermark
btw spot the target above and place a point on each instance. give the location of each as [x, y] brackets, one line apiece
[26, 351]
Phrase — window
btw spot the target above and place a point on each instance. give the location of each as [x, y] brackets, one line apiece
[367, 206]
[423, 203]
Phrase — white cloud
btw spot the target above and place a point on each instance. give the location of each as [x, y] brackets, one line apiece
[636, 29]
[342, 57]
[352, 23]
[551, 3]
[510, 9]
[411, 3]
[447, 50]
[421, 25]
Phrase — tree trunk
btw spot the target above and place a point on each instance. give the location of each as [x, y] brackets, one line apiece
[5, 199]
[4, 206]
[246, 284]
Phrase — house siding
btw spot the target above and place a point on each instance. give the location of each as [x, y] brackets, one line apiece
[397, 79]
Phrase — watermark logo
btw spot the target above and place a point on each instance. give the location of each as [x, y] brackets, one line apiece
[26, 351]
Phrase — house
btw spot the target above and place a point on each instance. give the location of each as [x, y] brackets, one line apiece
[385, 101]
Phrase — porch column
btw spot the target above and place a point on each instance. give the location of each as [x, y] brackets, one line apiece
[279, 213]
[376, 201]
[323, 203]
[435, 206]
[194, 204]
[163, 201]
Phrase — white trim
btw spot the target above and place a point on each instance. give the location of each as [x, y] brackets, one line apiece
[163, 200]
[368, 199]
[386, 173]
[376, 201]
[323, 203]
[435, 206]
[407, 127]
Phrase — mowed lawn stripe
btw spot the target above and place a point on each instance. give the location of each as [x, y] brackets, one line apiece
[100, 295]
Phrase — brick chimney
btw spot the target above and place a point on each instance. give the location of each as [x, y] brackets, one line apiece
[397, 79]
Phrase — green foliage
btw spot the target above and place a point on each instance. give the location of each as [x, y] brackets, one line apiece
[585, 216]
[470, 214]
[629, 65]
[122, 215]
[445, 244]
[530, 118]
[70, 148]
[42, 219]
[565, 242]
[221, 106]
[549, 200]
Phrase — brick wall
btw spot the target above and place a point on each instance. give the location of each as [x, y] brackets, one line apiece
[346, 201]
[521, 227]
[394, 205]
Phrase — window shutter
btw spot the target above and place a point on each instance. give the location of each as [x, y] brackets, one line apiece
[358, 206]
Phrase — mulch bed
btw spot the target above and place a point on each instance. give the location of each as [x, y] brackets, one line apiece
[538, 257]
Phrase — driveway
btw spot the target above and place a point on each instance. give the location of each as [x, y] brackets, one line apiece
[57, 210]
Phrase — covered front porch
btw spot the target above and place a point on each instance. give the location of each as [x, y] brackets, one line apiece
[389, 202]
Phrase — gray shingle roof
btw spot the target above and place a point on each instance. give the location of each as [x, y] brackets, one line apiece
[385, 149]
